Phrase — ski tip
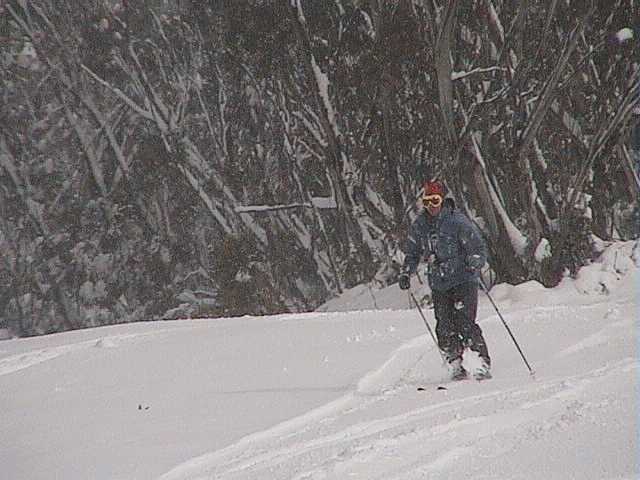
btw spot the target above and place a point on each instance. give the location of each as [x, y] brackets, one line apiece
[421, 389]
[441, 387]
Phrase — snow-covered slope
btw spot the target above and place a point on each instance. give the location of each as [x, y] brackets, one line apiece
[334, 394]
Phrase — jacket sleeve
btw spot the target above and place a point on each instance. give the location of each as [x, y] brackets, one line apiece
[413, 250]
[473, 244]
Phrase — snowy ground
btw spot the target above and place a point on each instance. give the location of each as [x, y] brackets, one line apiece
[333, 395]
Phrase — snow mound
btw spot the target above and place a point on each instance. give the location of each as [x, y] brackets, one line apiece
[616, 261]
[397, 367]
[609, 270]
[106, 343]
[524, 292]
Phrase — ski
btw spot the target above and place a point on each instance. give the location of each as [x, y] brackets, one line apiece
[478, 379]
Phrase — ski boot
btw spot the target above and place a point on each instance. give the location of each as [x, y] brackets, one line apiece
[483, 372]
[457, 371]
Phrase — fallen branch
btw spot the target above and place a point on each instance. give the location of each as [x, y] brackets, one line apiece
[317, 202]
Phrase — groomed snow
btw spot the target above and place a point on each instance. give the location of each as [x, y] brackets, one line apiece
[333, 394]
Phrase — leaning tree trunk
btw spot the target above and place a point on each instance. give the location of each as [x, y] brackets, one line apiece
[465, 147]
[339, 167]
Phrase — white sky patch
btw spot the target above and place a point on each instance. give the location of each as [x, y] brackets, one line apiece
[624, 34]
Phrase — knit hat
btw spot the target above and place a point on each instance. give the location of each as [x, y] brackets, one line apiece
[434, 188]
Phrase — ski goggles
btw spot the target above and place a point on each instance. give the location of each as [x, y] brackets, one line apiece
[432, 200]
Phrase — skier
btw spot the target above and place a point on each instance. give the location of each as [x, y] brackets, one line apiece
[455, 252]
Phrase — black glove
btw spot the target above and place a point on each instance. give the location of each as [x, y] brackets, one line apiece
[474, 262]
[403, 281]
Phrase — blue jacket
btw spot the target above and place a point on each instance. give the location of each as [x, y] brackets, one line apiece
[450, 243]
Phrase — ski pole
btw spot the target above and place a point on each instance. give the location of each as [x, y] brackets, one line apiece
[484, 288]
[428, 326]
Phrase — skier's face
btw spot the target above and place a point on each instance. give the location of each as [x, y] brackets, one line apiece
[433, 204]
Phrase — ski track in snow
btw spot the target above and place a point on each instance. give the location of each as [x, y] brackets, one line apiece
[20, 361]
[601, 337]
[389, 441]
[14, 363]
[382, 430]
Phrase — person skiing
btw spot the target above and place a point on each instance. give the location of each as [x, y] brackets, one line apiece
[455, 252]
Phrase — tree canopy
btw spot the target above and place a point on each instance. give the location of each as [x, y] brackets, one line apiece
[161, 159]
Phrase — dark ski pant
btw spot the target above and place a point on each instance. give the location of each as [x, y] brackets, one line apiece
[456, 327]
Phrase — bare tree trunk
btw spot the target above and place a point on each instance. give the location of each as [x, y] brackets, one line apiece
[547, 96]
[340, 171]
[293, 153]
[444, 68]
[391, 152]
[632, 175]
